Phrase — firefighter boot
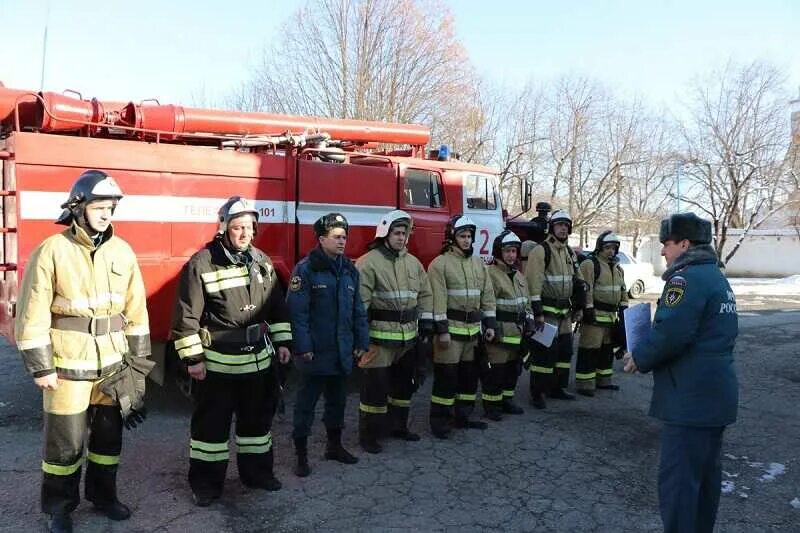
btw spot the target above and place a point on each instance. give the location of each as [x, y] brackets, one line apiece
[399, 418]
[301, 449]
[367, 436]
[115, 510]
[61, 523]
[537, 397]
[334, 449]
[560, 394]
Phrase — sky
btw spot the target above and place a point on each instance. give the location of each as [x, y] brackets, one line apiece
[182, 51]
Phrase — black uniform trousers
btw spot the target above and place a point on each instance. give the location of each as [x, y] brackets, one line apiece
[253, 399]
[551, 366]
[387, 390]
[309, 389]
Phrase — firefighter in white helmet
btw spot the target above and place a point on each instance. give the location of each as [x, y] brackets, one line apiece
[230, 329]
[463, 299]
[397, 296]
[555, 284]
[81, 319]
[514, 323]
[602, 323]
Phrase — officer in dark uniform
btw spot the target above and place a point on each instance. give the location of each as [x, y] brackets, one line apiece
[330, 329]
[695, 393]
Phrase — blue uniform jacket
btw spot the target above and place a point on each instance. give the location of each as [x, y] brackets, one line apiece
[690, 348]
[327, 314]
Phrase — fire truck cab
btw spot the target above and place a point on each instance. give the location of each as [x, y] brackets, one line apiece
[178, 165]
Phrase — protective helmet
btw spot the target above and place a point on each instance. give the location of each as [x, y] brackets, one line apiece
[506, 238]
[90, 186]
[543, 207]
[236, 206]
[458, 223]
[325, 223]
[604, 238]
[560, 215]
[392, 219]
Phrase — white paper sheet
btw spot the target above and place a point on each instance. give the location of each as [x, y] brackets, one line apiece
[546, 335]
[637, 325]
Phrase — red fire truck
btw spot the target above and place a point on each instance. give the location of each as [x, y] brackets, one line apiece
[177, 165]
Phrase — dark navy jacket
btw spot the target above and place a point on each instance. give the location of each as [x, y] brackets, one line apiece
[690, 348]
[327, 314]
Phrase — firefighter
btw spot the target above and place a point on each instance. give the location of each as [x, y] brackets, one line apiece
[230, 319]
[552, 273]
[463, 298]
[597, 341]
[81, 312]
[330, 329]
[514, 322]
[397, 296]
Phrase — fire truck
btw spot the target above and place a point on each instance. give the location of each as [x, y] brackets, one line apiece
[177, 165]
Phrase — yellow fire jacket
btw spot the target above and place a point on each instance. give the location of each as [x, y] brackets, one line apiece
[462, 295]
[608, 292]
[551, 284]
[513, 304]
[396, 294]
[81, 307]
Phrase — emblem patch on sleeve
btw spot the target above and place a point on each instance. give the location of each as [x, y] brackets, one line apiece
[295, 283]
[673, 296]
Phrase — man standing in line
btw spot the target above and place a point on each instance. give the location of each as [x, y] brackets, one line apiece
[695, 392]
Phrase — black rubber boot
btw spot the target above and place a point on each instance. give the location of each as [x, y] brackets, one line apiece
[538, 401]
[560, 394]
[366, 435]
[510, 408]
[301, 469]
[399, 417]
[115, 510]
[334, 450]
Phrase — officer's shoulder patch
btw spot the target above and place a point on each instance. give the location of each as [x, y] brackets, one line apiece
[295, 283]
[673, 295]
[677, 281]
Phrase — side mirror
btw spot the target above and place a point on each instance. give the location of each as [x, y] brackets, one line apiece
[525, 195]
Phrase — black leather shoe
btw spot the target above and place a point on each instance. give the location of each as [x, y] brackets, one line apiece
[202, 500]
[338, 453]
[405, 434]
[270, 483]
[538, 401]
[61, 523]
[585, 392]
[115, 510]
[302, 469]
[608, 387]
[561, 394]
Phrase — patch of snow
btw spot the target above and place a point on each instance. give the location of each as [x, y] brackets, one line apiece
[743, 495]
[731, 456]
[729, 474]
[795, 503]
[755, 465]
[728, 487]
[774, 470]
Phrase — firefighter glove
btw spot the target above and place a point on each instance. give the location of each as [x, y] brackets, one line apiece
[589, 316]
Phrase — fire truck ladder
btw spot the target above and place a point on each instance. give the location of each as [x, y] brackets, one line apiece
[8, 197]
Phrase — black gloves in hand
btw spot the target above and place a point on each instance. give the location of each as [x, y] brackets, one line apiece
[589, 315]
[135, 417]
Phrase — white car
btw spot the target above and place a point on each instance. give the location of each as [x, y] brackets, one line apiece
[637, 275]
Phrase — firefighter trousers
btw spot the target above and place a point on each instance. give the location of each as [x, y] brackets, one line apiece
[68, 412]
[455, 382]
[595, 358]
[551, 366]
[253, 399]
[386, 389]
[500, 381]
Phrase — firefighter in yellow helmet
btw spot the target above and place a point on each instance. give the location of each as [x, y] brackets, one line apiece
[231, 328]
[555, 284]
[514, 323]
[463, 298]
[601, 325]
[82, 319]
[397, 296]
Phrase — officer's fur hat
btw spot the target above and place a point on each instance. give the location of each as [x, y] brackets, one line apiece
[685, 226]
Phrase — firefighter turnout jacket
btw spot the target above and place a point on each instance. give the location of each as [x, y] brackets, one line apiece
[81, 307]
[607, 292]
[227, 305]
[462, 295]
[513, 305]
[396, 294]
[551, 282]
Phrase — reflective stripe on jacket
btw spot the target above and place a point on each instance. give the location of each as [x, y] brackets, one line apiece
[511, 297]
[554, 282]
[461, 284]
[68, 275]
[395, 282]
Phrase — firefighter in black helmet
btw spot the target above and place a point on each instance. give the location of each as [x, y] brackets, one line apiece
[84, 279]
[514, 323]
[463, 300]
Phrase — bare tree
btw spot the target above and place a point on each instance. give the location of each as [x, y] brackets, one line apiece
[735, 139]
[363, 59]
